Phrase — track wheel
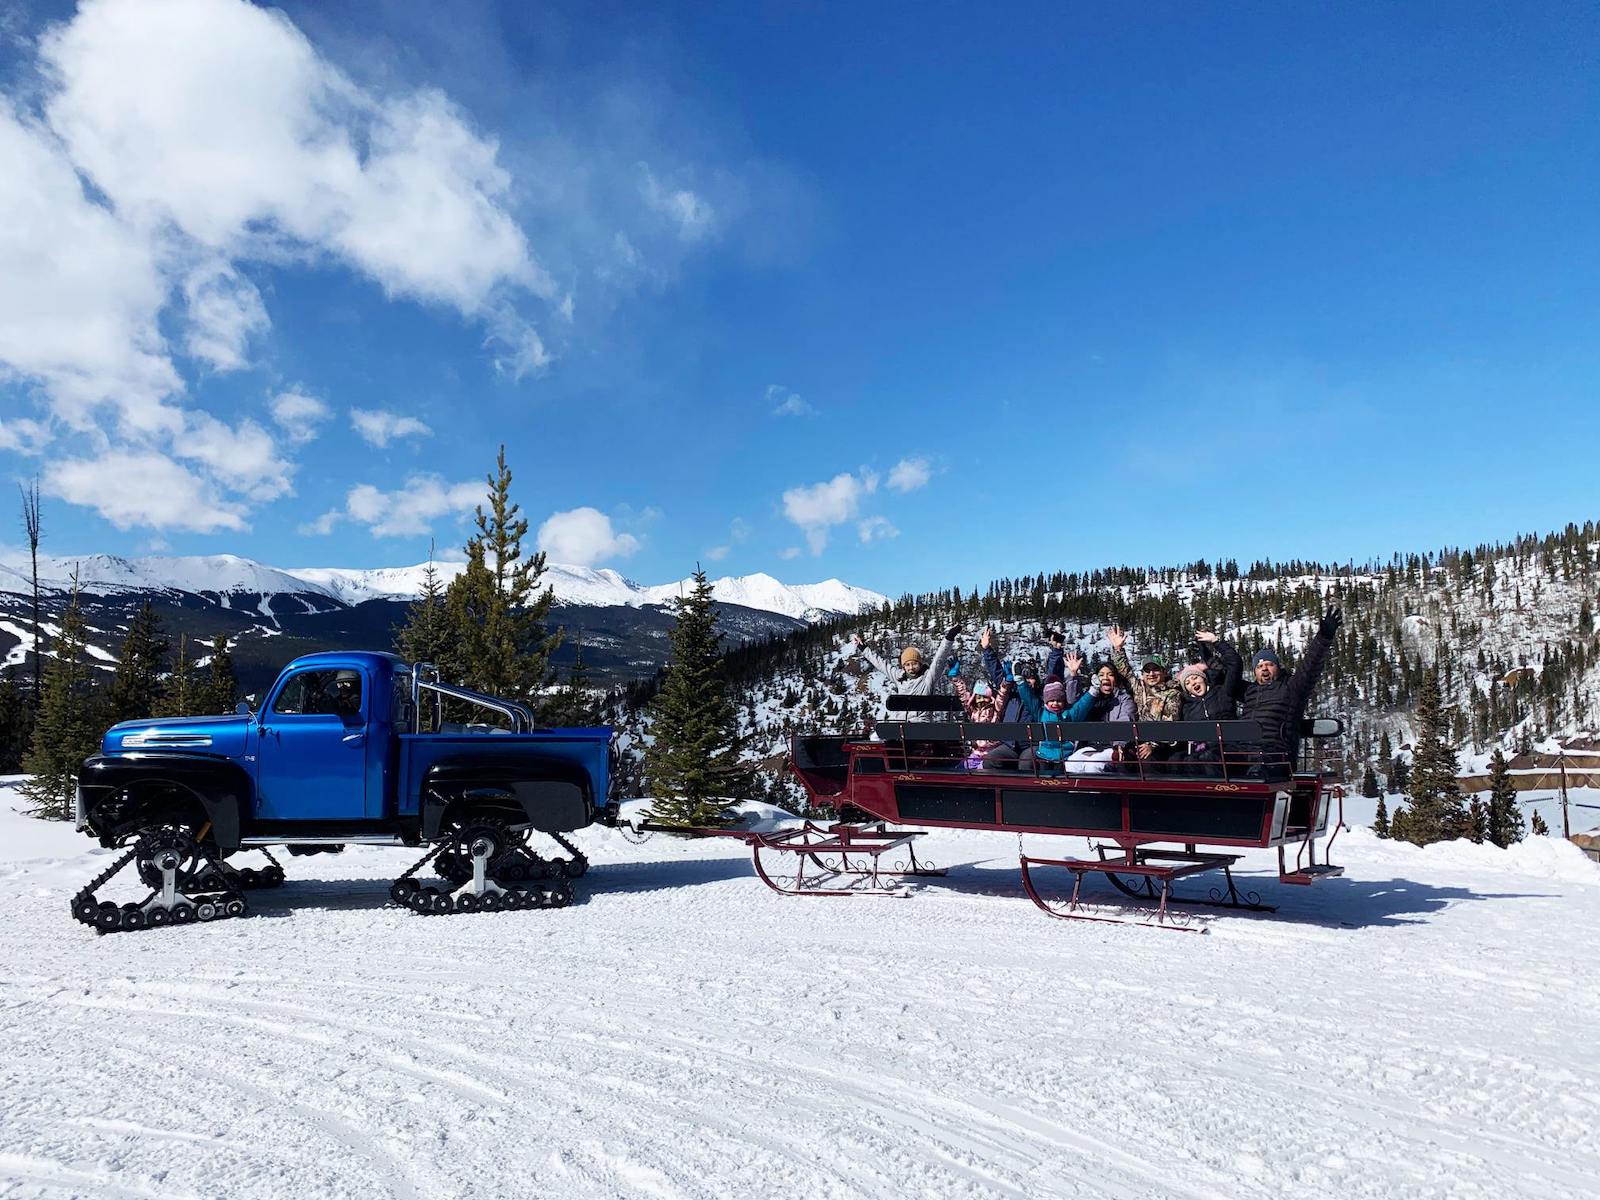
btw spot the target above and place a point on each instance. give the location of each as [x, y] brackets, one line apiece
[469, 903]
[182, 914]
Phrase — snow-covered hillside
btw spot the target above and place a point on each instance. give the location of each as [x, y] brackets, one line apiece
[228, 574]
[1419, 1028]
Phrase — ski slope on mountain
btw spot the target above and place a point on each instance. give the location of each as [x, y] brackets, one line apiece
[1419, 1028]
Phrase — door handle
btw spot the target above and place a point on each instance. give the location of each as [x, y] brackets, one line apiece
[354, 739]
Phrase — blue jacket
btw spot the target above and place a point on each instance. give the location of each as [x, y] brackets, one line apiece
[1078, 710]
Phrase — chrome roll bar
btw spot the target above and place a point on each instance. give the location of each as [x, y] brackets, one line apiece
[425, 676]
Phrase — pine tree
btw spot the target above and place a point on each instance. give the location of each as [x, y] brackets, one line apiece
[1505, 818]
[1380, 819]
[135, 688]
[1540, 829]
[496, 613]
[1369, 784]
[1399, 775]
[1400, 825]
[575, 705]
[179, 691]
[426, 633]
[67, 730]
[693, 769]
[1478, 816]
[16, 722]
[219, 693]
[1436, 811]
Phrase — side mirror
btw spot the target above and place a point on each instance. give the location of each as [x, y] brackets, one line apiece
[1326, 727]
[243, 707]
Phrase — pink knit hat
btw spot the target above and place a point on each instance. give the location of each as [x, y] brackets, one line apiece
[1192, 669]
[1055, 690]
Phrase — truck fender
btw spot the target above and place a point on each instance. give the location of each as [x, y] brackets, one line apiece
[222, 790]
[552, 796]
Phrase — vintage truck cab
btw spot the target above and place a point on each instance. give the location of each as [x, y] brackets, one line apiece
[345, 748]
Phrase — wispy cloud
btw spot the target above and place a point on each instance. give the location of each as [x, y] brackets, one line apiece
[909, 474]
[380, 428]
[785, 403]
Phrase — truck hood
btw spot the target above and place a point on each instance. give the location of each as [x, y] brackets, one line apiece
[220, 735]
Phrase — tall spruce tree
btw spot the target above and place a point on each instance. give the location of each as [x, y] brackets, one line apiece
[693, 768]
[1540, 829]
[180, 693]
[136, 687]
[1380, 819]
[68, 727]
[425, 636]
[16, 721]
[219, 692]
[496, 612]
[575, 704]
[1478, 819]
[1437, 812]
[1369, 783]
[1505, 818]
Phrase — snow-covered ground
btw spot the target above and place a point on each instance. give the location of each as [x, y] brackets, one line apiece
[1422, 1027]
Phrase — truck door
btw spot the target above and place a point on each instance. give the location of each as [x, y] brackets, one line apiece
[312, 762]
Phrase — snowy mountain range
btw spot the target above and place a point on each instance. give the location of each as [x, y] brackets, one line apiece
[229, 575]
[271, 614]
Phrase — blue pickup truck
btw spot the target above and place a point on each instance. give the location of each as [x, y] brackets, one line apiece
[346, 749]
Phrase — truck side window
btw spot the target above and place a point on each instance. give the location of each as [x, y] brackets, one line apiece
[334, 692]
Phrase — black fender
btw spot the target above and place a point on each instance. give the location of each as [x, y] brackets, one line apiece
[116, 791]
[551, 795]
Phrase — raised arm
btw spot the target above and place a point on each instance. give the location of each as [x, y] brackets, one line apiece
[867, 652]
[941, 656]
[1310, 669]
[992, 665]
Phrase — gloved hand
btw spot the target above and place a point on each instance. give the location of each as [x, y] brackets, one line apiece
[955, 670]
[950, 634]
[1331, 620]
[1005, 672]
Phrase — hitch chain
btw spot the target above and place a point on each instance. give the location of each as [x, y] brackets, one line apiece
[162, 853]
[488, 852]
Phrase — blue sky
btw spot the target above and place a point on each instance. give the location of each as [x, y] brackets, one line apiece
[909, 295]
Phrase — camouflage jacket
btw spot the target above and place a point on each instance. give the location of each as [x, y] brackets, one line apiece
[1164, 702]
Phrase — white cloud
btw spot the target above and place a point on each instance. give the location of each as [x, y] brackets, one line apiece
[786, 403]
[380, 428]
[789, 553]
[583, 537]
[738, 534]
[909, 474]
[406, 511]
[23, 435]
[220, 118]
[875, 529]
[691, 214]
[818, 508]
[244, 455]
[79, 292]
[299, 415]
[130, 488]
[224, 312]
[717, 553]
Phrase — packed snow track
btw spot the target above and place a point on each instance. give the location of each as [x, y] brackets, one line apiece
[1420, 1028]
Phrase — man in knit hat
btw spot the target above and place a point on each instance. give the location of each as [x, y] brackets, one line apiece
[1278, 700]
[915, 676]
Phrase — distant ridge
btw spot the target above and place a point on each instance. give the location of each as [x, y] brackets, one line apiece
[229, 574]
